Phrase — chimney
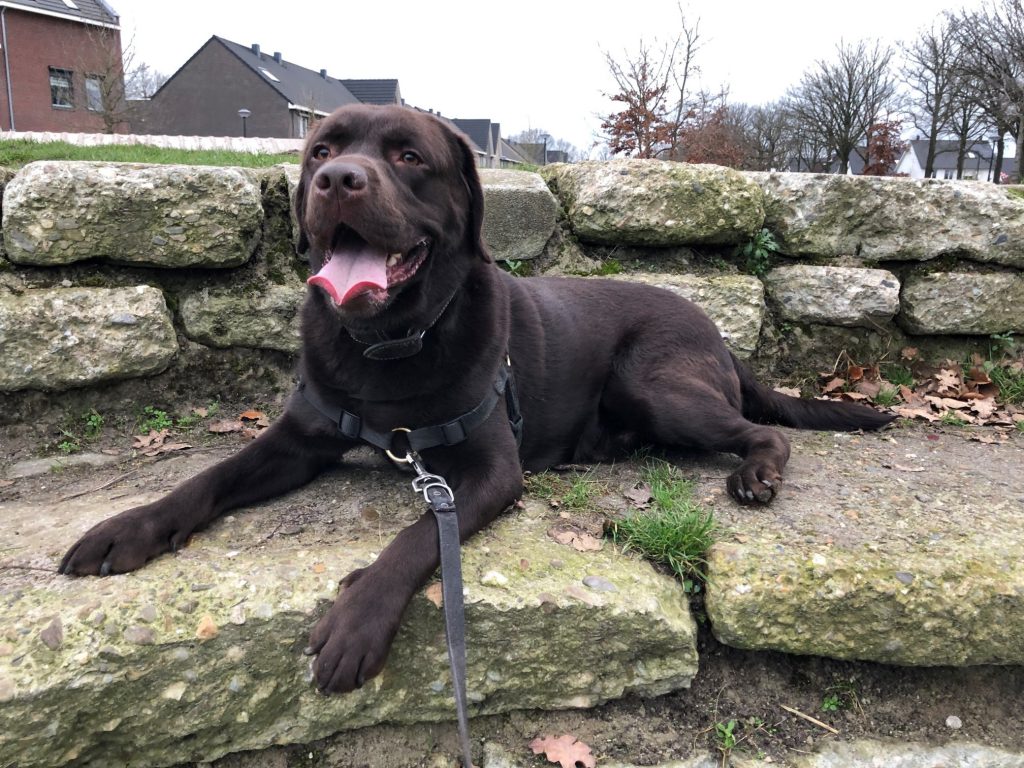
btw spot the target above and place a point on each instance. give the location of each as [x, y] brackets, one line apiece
[256, 49]
[277, 56]
[323, 73]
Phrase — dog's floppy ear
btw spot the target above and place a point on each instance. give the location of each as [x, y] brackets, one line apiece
[470, 177]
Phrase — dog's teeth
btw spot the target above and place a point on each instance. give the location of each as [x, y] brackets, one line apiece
[393, 259]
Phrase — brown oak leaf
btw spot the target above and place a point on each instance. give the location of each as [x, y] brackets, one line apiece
[566, 750]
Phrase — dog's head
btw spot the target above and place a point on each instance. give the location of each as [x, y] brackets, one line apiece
[390, 212]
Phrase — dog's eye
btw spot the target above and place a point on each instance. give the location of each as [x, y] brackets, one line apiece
[410, 158]
[320, 152]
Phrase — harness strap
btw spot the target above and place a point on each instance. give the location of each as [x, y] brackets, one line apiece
[450, 433]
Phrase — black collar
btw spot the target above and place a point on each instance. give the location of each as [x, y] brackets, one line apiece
[379, 346]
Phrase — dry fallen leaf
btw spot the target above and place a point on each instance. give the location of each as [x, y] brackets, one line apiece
[639, 496]
[579, 540]
[207, 629]
[566, 750]
[433, 594]
[833, 385]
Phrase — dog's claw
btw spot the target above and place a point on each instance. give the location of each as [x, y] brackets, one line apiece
[308, 651]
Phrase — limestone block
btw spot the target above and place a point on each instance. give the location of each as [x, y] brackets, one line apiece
[657, 203]
[519, 213]
[963, 303]
[884, 218]
[735, 303]
[847, 296]
[59, 338]
[155, 215]
[871, 552]
[267, 318]
[200, 654]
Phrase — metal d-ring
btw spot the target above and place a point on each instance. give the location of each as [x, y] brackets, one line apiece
[407, 459]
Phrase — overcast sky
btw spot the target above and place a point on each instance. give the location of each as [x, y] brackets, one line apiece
[525, 63]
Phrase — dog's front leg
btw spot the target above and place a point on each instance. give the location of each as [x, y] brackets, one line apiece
[353, 639]
[284, 457]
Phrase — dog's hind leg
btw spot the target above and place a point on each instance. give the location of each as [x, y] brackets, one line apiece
[700, 415]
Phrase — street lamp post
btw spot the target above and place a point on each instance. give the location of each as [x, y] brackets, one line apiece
[243, 113]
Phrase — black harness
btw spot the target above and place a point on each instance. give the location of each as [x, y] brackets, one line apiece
[452, 432]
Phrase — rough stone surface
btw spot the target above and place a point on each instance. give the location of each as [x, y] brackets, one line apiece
[200, 654]
[653, 202]
[867, 556]
[6, 174]
[70, 337]
[846, 296]
[856, 754]
[872, 754]
[735, 303]
[962, 302]
[519, 213]
[881, 218]
[130, 213]
[263, 319]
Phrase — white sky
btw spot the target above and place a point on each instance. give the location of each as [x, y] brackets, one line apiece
[524, 63]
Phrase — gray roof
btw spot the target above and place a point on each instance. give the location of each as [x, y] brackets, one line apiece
[300, 86]
[478, 130]
[946, 153]
[374, 91]
[86, 11]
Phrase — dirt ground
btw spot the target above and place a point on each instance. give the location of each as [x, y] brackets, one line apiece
[984, 705]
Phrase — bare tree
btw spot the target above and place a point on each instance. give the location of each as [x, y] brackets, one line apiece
[538, 143]
[653, 87]
[141, 81]
[992, 39]
[837, 101]
[767, 135]
[113, 77]
[932, 71]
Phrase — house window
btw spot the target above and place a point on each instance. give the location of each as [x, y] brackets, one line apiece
[303, 127]
[94, 93]
[61, 94]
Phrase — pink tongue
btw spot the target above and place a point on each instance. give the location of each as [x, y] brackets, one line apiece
[349, 273]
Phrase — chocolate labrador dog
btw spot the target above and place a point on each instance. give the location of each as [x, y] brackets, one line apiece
[408, 325]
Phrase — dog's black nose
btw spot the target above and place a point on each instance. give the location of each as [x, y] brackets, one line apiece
[342, 178]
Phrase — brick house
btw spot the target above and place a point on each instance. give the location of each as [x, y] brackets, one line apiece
[205, 96]
[59, 63]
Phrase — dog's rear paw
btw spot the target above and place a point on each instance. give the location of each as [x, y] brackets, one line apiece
[754, 484]
[122, 543]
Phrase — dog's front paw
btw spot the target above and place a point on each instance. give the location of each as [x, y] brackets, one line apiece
[754, 483]
[353, 639]
[123, 543]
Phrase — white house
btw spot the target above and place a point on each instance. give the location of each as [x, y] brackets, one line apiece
[978, 160]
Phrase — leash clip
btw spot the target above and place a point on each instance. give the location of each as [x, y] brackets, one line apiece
[425, 481]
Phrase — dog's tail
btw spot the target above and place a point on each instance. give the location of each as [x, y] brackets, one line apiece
[764, 405]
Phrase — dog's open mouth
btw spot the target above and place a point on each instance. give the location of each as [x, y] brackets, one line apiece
[353, 267]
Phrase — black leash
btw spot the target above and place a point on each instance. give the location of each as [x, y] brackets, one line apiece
[442, 503]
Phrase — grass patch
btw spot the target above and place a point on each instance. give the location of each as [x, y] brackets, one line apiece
[18, 152]
[674, 531]
[1010, 383]
[576, 494]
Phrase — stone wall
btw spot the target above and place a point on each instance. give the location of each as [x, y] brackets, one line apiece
[155, 283]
